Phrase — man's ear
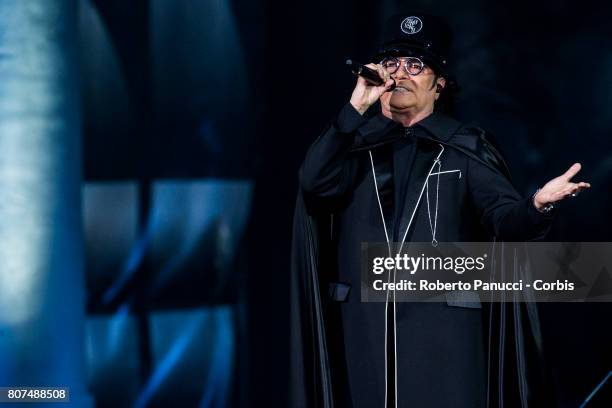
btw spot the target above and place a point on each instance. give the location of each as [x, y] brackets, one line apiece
[440, 84]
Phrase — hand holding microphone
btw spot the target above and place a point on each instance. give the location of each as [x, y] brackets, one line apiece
[373, 81]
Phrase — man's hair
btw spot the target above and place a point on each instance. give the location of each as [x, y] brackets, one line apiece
[446, 102]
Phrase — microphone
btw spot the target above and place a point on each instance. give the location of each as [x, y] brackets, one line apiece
[366, 73]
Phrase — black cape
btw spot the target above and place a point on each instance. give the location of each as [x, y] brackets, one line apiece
[516, 372]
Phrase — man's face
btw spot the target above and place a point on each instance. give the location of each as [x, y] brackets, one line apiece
[412, 93]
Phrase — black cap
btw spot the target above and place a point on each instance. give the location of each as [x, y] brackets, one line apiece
[420, 35]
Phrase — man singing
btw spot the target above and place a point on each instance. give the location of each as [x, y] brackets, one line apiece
[393, 168]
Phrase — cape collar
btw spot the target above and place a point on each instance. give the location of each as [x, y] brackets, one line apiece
[440, 126]
[380, 130]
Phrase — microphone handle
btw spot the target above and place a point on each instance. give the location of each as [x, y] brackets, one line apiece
[366, 73]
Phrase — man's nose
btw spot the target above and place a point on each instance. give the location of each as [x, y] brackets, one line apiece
[401, 72]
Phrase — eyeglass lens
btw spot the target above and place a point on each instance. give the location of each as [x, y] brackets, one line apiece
[412, 65]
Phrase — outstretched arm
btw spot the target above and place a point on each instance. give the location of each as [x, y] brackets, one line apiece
[506, 214]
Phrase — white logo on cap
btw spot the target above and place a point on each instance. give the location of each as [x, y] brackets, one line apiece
[411, 25]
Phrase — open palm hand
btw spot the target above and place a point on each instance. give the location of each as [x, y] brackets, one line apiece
[560, 188]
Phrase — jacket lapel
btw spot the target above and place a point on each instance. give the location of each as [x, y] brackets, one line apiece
[423, 163]
[404, 154]
[382, 166]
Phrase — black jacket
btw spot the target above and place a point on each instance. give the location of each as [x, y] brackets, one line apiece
[438, 180]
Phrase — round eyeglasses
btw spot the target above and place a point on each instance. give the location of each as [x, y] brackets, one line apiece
[412, 65]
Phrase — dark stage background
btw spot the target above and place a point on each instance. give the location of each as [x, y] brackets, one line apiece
[195, 116]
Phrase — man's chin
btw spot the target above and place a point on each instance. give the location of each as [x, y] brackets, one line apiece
[400, 104]
[400, 107]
